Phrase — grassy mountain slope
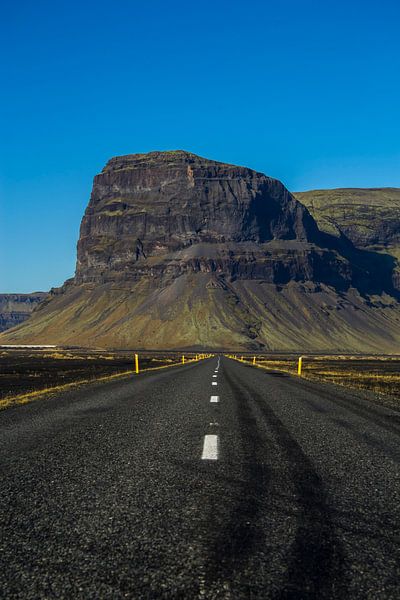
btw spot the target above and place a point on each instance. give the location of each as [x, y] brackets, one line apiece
[242, 315]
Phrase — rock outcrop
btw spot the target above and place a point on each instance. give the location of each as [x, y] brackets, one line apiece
[177, 251]
[17, 308]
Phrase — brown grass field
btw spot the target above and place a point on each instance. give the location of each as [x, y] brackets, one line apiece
[377, 374]
[25, 373]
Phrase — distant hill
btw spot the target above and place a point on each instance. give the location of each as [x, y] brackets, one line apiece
[178, 251]
[16, 308]
[369, 217]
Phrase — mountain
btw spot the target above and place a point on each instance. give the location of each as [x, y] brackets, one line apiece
[178, 251]
[16, 308]
[369, 217]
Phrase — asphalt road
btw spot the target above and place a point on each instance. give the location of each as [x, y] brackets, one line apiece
[113, 490]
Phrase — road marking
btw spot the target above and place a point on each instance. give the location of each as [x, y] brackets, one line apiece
[214, 375]
[210, 447]
[214, 383]
[214, 399]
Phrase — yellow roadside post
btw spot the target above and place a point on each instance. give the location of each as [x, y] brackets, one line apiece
[183, 359]
[254, 360]
[137, 363]
[299, 366]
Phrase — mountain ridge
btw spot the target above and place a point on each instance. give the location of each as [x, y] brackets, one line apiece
[368, 217]
[17, 308]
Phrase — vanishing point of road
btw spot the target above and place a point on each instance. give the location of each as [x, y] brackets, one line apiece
[210, 480]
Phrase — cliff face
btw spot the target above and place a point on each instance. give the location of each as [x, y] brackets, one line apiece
[145, 207]
[17, 308]
[177, 251]
[160, 215]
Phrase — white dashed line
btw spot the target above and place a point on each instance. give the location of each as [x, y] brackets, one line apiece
[214, 399]
[214, 375]
[214, 383]
[210, 447]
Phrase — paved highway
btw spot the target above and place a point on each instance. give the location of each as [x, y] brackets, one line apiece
[200, 481]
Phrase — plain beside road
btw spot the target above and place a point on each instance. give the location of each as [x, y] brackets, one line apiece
[169, 486]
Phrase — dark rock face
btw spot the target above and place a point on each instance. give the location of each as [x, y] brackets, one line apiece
[164, 214]
[16, 308]
[143, 207]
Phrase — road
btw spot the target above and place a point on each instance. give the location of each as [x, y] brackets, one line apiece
[145, 488]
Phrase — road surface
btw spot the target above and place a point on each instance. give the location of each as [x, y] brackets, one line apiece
[200, 482]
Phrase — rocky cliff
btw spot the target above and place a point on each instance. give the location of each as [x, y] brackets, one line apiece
[16, 308]
[177, 251]
[144, 208]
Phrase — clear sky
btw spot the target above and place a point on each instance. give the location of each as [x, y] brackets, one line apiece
[305, 91]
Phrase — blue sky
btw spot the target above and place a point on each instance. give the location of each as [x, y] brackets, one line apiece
[308, 92]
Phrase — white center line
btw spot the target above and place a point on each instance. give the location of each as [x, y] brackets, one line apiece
[210, 447]
[214, 383]
[214, 375]
[214, 399]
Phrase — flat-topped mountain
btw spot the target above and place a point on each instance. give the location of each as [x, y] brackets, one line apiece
[145, 206]
[177, 251]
